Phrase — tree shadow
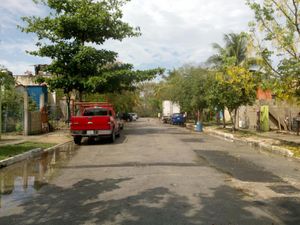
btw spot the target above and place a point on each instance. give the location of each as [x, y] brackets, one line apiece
[228, 206]
[83, 204]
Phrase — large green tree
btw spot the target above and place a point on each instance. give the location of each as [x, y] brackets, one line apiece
[187, 86]
[234, 84]
[276, 36]
[7, 82]
[68, 36]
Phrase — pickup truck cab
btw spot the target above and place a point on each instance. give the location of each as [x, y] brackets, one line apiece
[96, 120]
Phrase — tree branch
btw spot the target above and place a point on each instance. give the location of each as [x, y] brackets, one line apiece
[296, 17]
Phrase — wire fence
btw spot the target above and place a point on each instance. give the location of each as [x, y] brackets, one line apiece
[12, 112]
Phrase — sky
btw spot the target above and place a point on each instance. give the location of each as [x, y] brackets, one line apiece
[174, 32]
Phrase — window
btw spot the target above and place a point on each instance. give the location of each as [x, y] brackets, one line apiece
[96, 112]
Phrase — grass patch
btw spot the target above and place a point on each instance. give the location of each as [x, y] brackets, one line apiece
[295, 149]
[12, 150]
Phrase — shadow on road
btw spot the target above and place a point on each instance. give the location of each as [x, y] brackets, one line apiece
[82, 204]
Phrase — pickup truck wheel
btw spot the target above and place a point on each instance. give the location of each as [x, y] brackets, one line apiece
[113, 137]
[77, 140]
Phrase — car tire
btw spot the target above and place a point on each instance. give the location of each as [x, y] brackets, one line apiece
[77, 140]
[113, 137]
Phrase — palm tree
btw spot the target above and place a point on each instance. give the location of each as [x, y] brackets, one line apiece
[235, 49]
[233, 53]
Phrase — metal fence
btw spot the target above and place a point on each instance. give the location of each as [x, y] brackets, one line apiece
[12, 114]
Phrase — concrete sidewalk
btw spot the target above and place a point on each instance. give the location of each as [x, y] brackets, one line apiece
[278, 143]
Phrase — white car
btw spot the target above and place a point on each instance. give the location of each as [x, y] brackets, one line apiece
[134, 116]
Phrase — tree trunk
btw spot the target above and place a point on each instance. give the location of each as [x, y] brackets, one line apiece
[224, 120]
[234, 120]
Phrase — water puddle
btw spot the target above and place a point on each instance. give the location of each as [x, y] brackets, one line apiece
[22, 180]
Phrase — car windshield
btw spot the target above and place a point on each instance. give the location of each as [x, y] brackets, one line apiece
[96, 112]
[176, 114]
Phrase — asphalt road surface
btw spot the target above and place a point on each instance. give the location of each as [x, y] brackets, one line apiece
[158, 174]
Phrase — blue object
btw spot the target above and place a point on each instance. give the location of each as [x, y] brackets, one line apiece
[34, 91]
[177, 118]
[199, 127]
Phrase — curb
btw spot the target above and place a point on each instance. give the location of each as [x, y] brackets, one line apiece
[254, 143]
[28, 155]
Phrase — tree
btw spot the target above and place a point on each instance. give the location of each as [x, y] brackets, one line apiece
[237, 86]
[234, 52]
[6, 82]
[276, 35]
[187, 86]
[150, 101]
[216, 98]
[66, 36]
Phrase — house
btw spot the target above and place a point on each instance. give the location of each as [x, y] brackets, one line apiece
[268, 113]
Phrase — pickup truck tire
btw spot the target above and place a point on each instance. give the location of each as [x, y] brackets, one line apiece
[77, 140]
[113, 137]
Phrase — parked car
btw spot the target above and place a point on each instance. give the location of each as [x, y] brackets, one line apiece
[126, 117]
[96, 120]
[120, 120]
[177, 118]
[134, 116]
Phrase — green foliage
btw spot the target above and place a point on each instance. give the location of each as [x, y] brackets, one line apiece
[187, 86]
[233, 85]
[233, 53]
[123, 102]
[277, 25]
[149, 100]
[236, 86]
[66, 36]
[7, 81]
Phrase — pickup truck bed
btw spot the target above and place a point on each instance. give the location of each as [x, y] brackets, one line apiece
[96, 121]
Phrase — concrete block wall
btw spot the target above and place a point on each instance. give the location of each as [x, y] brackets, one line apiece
[247, 115]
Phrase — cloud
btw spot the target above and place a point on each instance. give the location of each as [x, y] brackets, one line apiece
[23, 7]
[173, 32]
[178, 32]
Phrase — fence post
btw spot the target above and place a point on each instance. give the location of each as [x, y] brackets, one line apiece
[26, 114]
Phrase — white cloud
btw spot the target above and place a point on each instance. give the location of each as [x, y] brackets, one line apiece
[174, 32]
[22, 7]
[179, 32]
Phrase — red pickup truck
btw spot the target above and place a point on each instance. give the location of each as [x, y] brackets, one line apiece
[95, 120]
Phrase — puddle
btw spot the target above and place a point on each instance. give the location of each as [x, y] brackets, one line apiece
[22, 180]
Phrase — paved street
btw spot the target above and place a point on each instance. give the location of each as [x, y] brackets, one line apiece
[161, 174]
